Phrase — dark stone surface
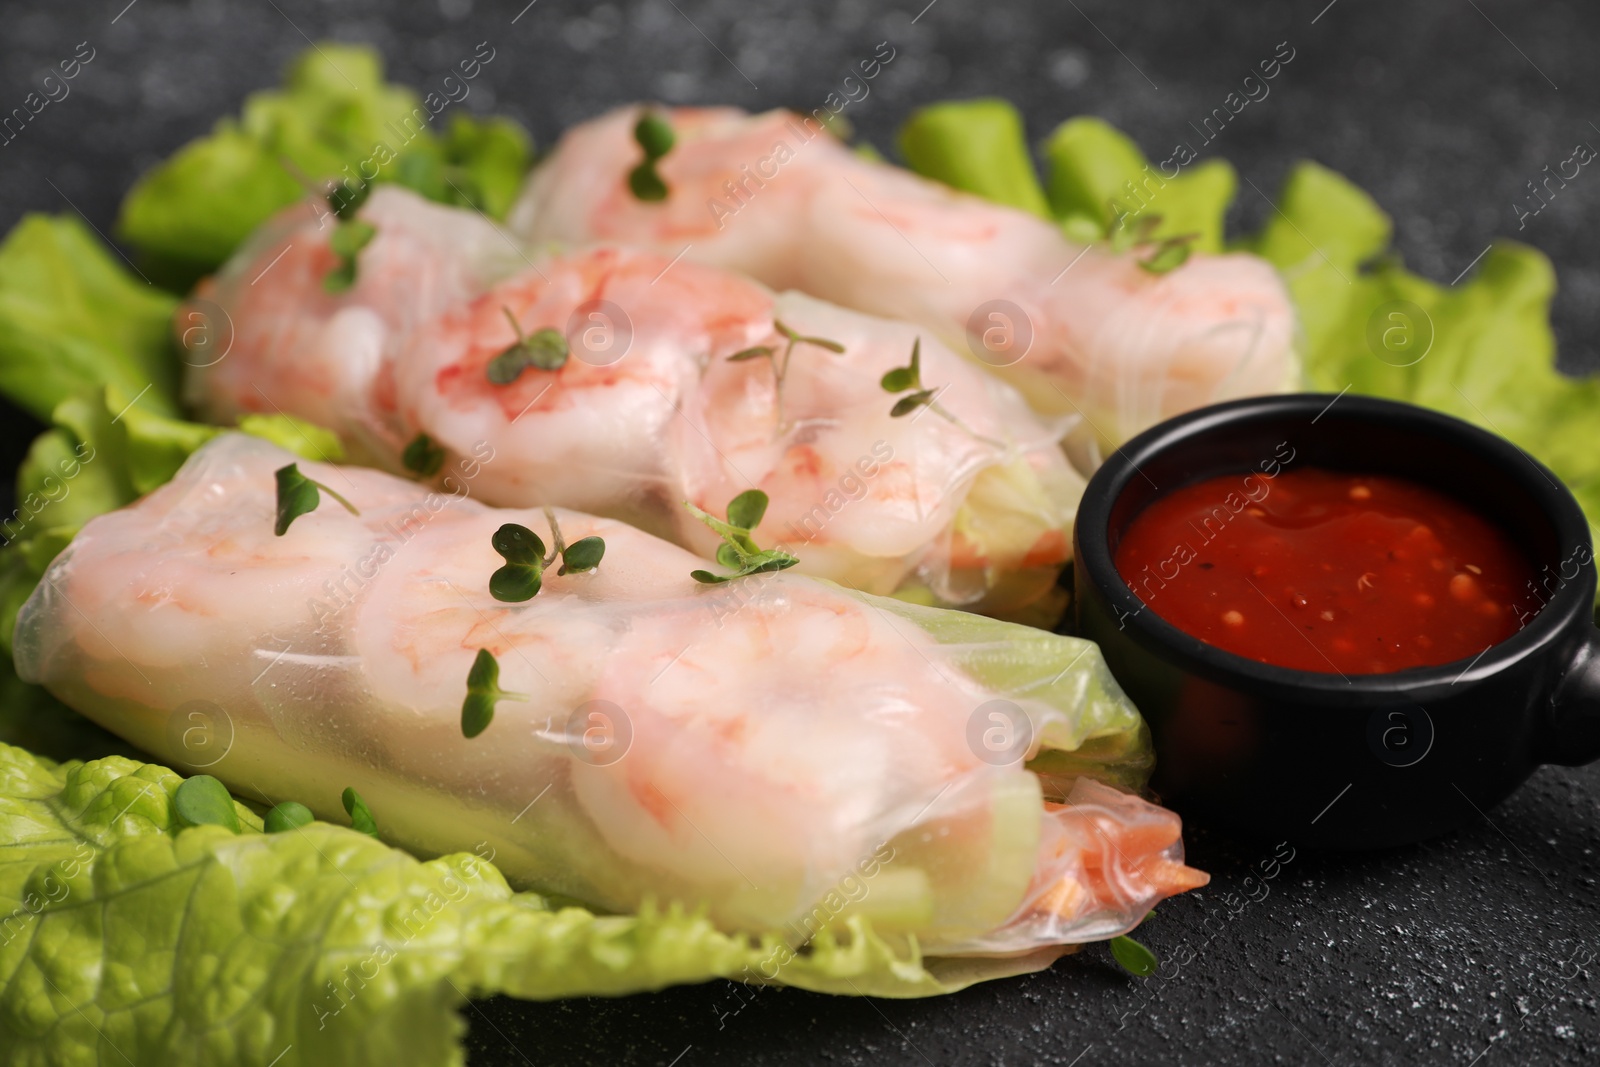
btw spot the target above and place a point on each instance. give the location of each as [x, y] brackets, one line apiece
[1475, 945]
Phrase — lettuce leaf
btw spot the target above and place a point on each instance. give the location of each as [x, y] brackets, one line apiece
[125, 938]
[72, 318]
[334, 116]
[1480, 349]
[1098, 733]
[976, 145]
[1098, 174]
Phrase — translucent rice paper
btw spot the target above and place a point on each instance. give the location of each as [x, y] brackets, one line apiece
[783, 752]
[1079, 329]
[966, 501]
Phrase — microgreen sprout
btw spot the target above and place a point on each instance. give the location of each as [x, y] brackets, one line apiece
[346, 242]
[780, 369]
[290, 815]
[483, 693]
[526, 559]
[654, 135]
[423, 456]
[908, 380]
[298, 495]
[1168, 254]
[739, 551]
[360, 815]
[1134, 957]
[1125, 236]
[544, 349]
[204, 801]
[345, 199]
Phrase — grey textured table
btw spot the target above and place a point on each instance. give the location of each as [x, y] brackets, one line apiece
[1475, 948]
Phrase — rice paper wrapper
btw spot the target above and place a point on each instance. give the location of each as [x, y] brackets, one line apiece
[793, 758]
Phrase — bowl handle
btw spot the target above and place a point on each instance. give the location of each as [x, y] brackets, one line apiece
[1574, 734]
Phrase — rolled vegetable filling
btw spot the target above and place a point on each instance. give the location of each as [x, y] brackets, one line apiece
[786, 754]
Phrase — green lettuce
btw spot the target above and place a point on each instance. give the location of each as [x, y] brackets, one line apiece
[125, 937]
[976, 145]
[334, 117]
[1099, 175]
[1481, 349]
[1101, 736]
[72, 317]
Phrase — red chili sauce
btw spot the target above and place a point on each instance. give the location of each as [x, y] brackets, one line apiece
[1324, 570]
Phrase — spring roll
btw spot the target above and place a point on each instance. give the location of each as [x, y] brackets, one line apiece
[782, 752]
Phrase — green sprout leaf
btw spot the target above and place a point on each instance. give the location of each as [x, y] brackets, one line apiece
[346, 200]
[908, 377]
[518, 544]
[299, 495]
[483, 693]
[583, 554]
[515, 583]
[1170, 254]
[546, 349]
[346, 242]
[340, 278]
[739, 551]
[1125, 236]
[1134, 957]
[350, 237]
[780, 368]
[290, 815]
[523, 573]
[524, 552]
[507, 366]
[655, 137]
[797, 338]
[900, 379]
[907, 404]
[423, 456]
[645, 184]
[204, 801]
[747, 509]
[360, 815]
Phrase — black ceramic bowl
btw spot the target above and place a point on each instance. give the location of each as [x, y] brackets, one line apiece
[1362, 761]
